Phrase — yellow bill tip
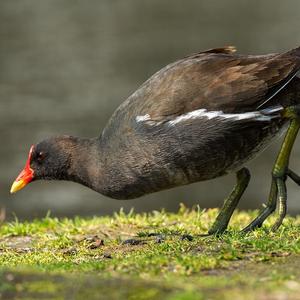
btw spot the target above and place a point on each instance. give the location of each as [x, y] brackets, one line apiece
[17, 185]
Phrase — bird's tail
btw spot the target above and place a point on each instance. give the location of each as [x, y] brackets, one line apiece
[295, 52]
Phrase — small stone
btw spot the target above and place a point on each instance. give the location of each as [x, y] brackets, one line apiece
[150, 234]
[280, 254]
[186, 237]
[132, 242]
[10, 277]
[160, 239]
[70, 251]
[97, 244]
[23, 250]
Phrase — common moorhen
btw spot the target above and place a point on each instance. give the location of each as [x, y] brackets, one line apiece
[199, 118]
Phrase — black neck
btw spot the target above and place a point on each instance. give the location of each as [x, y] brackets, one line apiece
[86, 165]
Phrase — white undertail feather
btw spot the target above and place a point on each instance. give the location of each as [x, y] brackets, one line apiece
[271, 110]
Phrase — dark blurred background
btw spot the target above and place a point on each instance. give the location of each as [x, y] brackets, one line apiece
[65, 66]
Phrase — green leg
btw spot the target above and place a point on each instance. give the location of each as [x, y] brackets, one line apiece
[230, 203]
[267, 210]
[293, 176]
[282, 207]
[279, 175]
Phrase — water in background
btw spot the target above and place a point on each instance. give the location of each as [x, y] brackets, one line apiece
[66, 65]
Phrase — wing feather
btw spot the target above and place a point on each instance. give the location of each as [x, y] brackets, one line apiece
[216, 80]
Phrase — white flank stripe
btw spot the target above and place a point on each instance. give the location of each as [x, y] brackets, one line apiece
[143, 118]
[203, 113]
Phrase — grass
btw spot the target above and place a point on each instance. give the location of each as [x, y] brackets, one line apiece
[151, 256]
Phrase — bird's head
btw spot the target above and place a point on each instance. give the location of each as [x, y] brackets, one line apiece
[48, 160]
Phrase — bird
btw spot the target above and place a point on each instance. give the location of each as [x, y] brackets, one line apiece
[201, 117]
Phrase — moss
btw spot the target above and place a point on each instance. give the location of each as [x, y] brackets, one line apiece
[153, 251]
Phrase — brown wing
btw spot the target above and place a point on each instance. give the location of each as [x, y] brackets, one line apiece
[217, 79]
[224, 50]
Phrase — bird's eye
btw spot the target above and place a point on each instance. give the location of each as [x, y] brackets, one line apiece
[40, 156]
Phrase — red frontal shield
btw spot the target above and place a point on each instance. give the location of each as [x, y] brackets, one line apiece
[25, 176]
